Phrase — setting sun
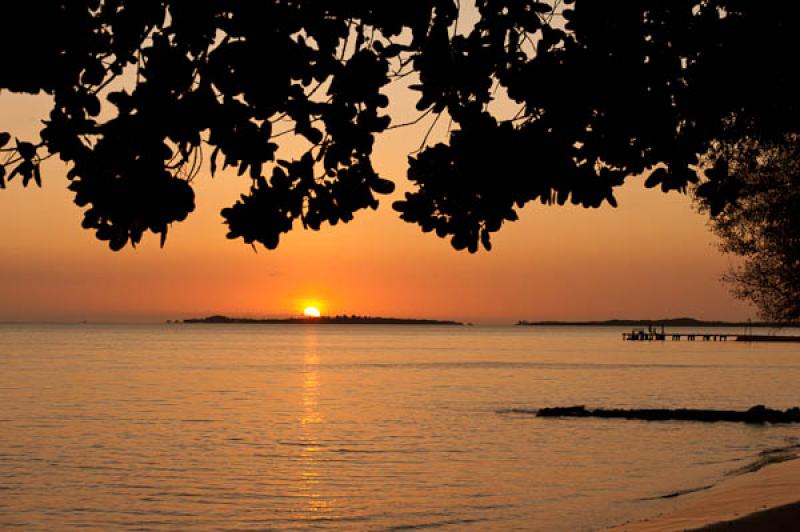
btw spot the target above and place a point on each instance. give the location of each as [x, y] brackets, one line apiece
[311, 312]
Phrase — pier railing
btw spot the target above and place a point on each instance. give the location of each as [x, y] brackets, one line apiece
[653, 335]
[650, 336]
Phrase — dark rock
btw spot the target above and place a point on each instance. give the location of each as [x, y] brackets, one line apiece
[755, 415]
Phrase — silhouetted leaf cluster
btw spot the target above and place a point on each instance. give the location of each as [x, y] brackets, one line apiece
[24, 160]
[622, 88]
[752, 195]
[144, 92]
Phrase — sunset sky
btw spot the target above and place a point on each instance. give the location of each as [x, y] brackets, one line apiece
[652, 257]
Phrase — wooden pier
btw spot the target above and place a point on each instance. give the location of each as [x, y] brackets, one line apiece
[652, 334]
[648, 336]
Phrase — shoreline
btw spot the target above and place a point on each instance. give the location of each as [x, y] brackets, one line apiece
[763, 500]
[316, 320]
[666, 322]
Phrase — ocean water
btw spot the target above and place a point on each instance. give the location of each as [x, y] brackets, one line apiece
[366, 427]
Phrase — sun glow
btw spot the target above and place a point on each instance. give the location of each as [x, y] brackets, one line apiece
[311, 312]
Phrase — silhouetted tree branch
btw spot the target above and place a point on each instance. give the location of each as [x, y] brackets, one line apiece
[605, 90]
[753, 198]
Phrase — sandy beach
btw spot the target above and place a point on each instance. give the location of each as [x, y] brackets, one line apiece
[768, 499]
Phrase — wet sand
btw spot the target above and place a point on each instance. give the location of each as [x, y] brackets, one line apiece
[768, 499]
[781, 518]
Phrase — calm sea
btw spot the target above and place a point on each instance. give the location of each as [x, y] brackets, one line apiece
[366, 427]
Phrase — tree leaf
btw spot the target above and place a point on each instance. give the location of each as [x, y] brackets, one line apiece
[656, 177]
[26, 150]
[382, 186]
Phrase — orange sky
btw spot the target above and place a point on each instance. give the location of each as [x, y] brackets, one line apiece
[652, 257]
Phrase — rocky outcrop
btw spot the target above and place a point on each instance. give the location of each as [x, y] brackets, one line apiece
[757, 414]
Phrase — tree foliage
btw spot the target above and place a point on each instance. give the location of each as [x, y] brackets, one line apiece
[145, 91]
[761, 223]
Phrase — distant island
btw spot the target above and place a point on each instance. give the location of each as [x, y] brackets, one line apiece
[324, 320]
[670, 322]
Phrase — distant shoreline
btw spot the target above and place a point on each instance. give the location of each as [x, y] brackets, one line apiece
[324, 320]
[670, 322]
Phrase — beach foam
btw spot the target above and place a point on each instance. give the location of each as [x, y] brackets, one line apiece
[757, 501]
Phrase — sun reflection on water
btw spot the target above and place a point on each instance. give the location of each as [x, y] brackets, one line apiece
[311, 422]
[311, 413]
